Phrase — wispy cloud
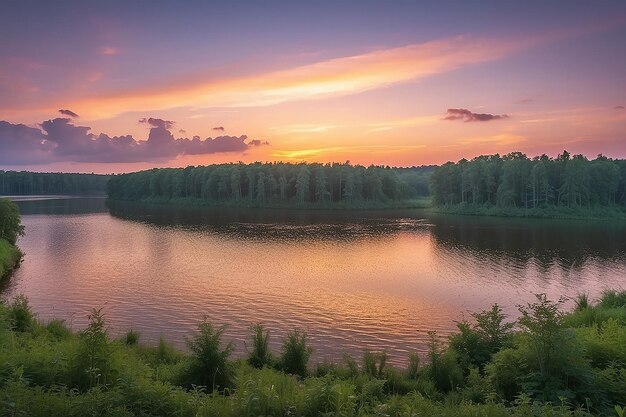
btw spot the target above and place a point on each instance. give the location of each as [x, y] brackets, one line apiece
[468, 116]
[339, 76]
[312, 128]
[108, 50]
[501, 139]
[306, 154]
[407, 122]
[66, 112]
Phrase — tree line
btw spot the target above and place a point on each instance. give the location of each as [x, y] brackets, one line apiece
[266, 183]
[28, 183]
[515, 180]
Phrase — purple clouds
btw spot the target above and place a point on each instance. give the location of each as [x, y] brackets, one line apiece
[468, 116]
[61, 140]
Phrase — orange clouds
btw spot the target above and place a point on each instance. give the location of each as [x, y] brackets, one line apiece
[339, 76]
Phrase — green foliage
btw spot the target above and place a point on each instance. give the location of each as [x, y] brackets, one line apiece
[260, 355]
[278, 185]
[10, 257]
[541, 187]
[295, 355]
[93, 360]
[414, 365]
[131, 337]
[27, 183]
[374, 363]
[613, 299]
[443, 368]
[20, 314]
[10, 223]
[58, 330]
[48, 370]
[582, 302]
[209, 365]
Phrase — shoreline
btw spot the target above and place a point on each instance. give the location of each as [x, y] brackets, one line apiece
[421, 203]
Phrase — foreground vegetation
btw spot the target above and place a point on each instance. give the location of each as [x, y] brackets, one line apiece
[277, 185]
[10, 229]
[515, 185]
[546, 364]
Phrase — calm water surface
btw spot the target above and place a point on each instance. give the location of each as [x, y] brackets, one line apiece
[352, 280]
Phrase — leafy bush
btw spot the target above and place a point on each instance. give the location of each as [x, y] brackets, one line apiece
[443, 368]
[260, 355]
[58, 330]
[131, 337]
[374, 363]
[209, 363]
[10, 223]
[612, 298]
[414, 365]
[20, 315]
[93, 361]
[296, 353]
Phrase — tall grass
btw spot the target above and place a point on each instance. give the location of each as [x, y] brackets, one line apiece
[48, 370]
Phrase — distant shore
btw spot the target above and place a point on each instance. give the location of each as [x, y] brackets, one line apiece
[423, 203]
[550, 212]
[417, 203]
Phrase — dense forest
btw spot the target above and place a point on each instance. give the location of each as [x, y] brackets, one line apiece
[516, 181]
[28, 183]
[261, 184]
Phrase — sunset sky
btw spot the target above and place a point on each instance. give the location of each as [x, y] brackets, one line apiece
[121, 86]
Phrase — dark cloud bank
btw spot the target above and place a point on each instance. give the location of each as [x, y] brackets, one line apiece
[468, 116]
[61, 140]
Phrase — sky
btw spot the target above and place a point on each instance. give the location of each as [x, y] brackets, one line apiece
[120, 86]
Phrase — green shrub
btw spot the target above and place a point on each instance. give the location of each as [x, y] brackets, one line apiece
[93, 362]
[612, 299]
[209, 364]
[131, 337]
[260, 355]
[327, 396]
[351, 365]
[505, 373]
[10, 223]
[374, 363]
[295, 355]
[414, 365]
[582, 302]
[20, 315]
[443, 368]
[57, 330]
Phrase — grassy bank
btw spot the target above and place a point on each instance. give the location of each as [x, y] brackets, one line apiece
[420, 202]
[10, 256]
[546, 364]
[550, 212]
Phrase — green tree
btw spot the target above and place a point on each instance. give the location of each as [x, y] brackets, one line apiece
[10, 222]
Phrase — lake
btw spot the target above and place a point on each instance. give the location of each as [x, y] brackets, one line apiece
[354, 280]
